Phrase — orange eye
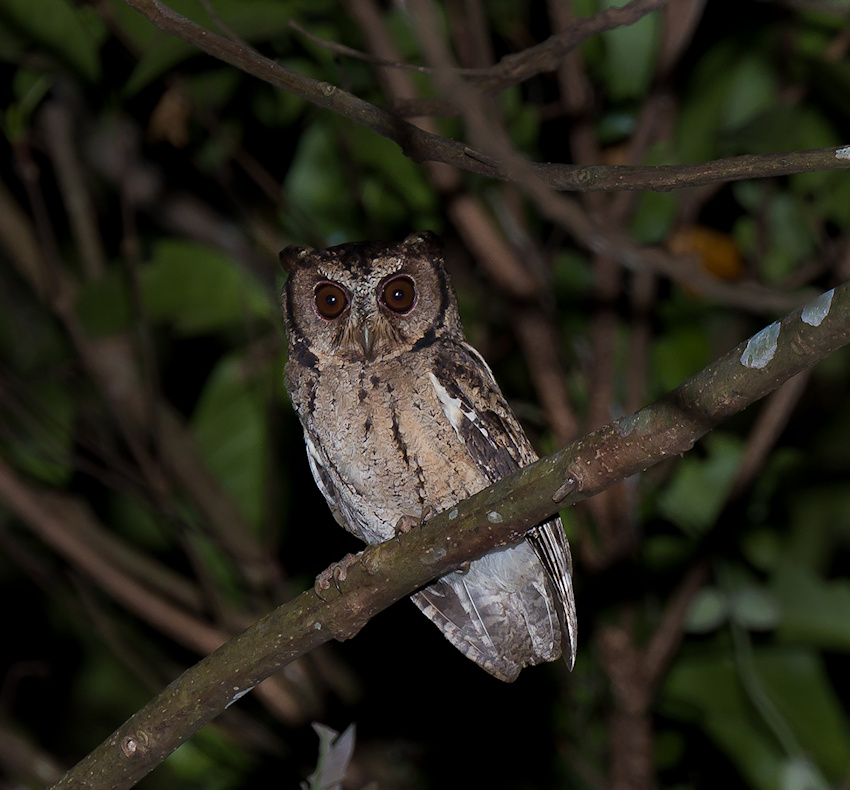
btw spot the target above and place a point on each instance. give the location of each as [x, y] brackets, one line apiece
[399, 294]
[331, 300]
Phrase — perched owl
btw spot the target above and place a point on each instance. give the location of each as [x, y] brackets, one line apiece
[402, 417]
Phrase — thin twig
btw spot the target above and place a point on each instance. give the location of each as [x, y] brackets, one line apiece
[422, 146]
[58, 132]
[541, 58]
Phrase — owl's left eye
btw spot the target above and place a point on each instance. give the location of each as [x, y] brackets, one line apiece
[399, 294]
[331, 300]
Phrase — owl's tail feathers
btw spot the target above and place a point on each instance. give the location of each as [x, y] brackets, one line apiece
[553, 551]
[453, 611]
[499, 613]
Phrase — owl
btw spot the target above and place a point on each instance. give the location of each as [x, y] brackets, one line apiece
[403, 418]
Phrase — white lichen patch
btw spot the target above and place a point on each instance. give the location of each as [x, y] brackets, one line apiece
[843, 153]
[239, 694]
[818, 309]
[494, 518]
[625, 425]
[761, 347]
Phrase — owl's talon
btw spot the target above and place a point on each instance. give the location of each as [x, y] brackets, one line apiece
[407, 523]
[336, 573]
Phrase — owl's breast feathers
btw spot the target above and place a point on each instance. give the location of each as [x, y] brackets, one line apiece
[396, 436]
[380, 444]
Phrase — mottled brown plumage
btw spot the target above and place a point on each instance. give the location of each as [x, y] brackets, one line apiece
[402, 416]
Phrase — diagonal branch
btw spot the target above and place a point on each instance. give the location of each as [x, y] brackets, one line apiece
[499, 515]
[423, 146]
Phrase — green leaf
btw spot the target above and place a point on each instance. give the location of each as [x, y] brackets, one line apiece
[707, 689]
[29, 87]
[793, 238]
[229, 423]
[72, 32]
[21, 317]
[815, 612]
[827, 194]
[630, 52]
[210, 760]
[394, 170]
[39, 441]
[698, 491]
[750, 88]
[654, 216]
[677, 355]
[213, 88]
[317, 185]
[104, 305]
[755, 608]
[762, 548]
[251, 20]
[163, 57]
[139, 524]
[662, 552]
[730, 88]
[198, 289]
[820, 521]
[784, 127]
[798, 773]
[522, 119]
[708, 611]
[797, 683]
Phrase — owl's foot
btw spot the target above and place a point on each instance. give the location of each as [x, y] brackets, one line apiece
[336, 573]
[407, 523]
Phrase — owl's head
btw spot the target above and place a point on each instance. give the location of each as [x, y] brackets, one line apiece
[368, 300]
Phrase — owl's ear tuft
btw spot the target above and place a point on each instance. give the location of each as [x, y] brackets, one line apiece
[290, 256]
[424, 241]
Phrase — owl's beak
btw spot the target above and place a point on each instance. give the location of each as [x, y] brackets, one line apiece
[365, 336]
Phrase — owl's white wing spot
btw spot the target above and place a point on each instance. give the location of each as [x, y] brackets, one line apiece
[453, 409]
[317, 467]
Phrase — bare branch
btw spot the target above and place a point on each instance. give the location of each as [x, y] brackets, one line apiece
[423, 146]
[662, 178]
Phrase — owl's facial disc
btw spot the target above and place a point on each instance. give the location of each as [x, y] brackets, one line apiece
[362, 319]
[372, 323]
[367, 301]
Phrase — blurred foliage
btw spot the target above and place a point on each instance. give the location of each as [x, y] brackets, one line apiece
[192, 176]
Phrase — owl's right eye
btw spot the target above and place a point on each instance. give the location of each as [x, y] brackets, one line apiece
[330, 299]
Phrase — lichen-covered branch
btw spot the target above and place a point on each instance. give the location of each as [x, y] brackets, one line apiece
[499, 515]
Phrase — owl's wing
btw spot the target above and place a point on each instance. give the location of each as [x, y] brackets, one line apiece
[499, 613]
[495, 441]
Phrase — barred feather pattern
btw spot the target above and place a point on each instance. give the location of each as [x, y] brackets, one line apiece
[401, 417]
